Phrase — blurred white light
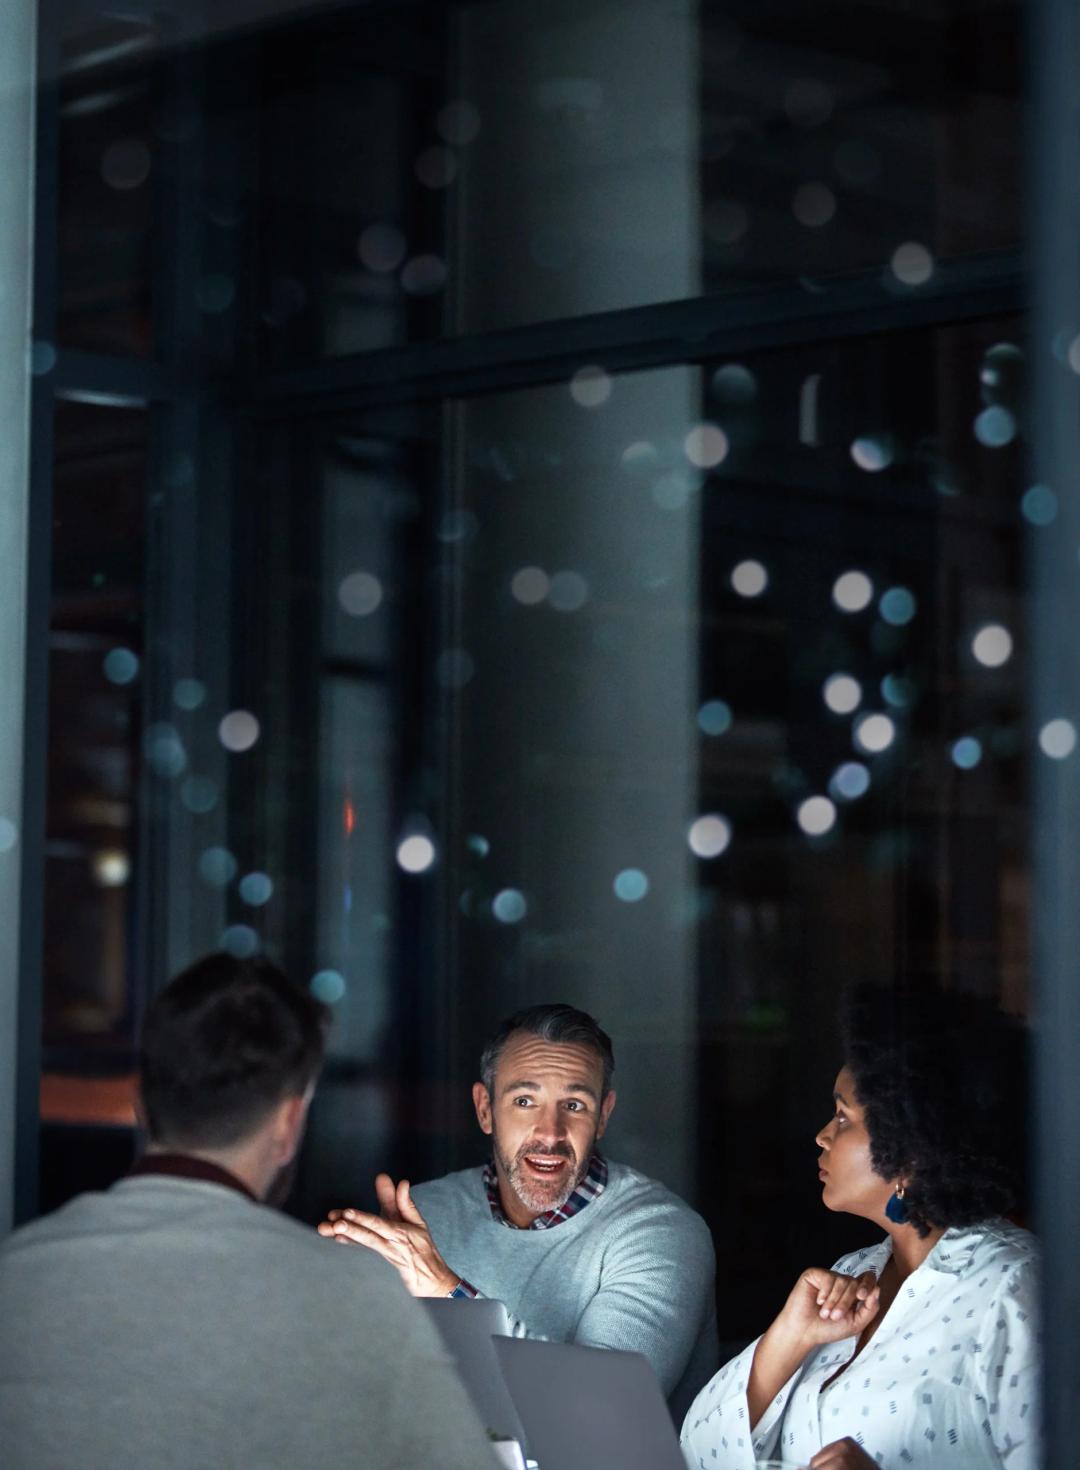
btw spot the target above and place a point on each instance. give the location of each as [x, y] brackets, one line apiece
[9, 834]
[872, 453]
[852, 591]
[709, 836]
[530, 585]
[590, 386]
[874, 733]
[1057, 739]
[568, 591]
[842, 693]
[992, 646]
[813, 205]
[706, 446]
[850, 781]
[239, 730]
[912, 263]
[111, 867]
[816, 816]
[256, 889]
[631, 885]
[749, 579]
[328, 986]
[509, 906]
[360, 594]
[416, 854]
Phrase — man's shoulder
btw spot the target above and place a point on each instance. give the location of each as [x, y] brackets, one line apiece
[635, 1199]
[466, 1184]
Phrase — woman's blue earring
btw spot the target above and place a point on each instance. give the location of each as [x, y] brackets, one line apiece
[896, 1209]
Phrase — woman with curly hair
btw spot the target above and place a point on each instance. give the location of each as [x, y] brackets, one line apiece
[920, 1351]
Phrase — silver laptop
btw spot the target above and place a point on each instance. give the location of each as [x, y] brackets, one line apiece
[467, 1329]
[589, 1408]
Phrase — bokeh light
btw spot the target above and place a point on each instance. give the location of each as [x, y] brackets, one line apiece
[897, 606]
[816, 816]
[849, 781]
[749, 579]
[509, 906]
[416, 854]
[111, 867]
[238, 731]
[734, 384]
[992, 645]
[995, 427]
[631, 885]
[360, 593]
[199, 794]
[813, 205]
[912, 264]
[710, 835]
[1039, 506]
[873, 452]
[874, 733]
[240, 940]
[458, 122]
[714, 717]
[852, 591]
[1057, 739]
[382, 248]
[9, 834]
[256, 889]
[568, 591]
[590, 386]
[328, 986]
[966, 752]
[530, 586]
[164, 751]
[217, 866]
[706, 446]
[436, 168]
[189, 694]
[125, 164]
[842, 693]
[424, 275]
[454, 668]
[121, 666]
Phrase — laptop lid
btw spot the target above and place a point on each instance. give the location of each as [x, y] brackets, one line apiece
[467, 1329]
[589, 1408]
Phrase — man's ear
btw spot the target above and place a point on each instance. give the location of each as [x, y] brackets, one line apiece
[605, 1113]
[482, 1103]
[289, 1119]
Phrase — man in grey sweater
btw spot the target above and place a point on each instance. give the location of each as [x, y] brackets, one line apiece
[579, 1249]
[176, 1322]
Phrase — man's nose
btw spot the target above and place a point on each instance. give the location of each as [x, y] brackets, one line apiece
[550, 1125]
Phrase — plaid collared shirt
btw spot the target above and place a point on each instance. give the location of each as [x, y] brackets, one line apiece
[590, 1187]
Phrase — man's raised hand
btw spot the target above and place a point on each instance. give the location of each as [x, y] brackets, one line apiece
[399, 1234]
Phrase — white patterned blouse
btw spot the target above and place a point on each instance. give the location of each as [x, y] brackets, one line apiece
[949, 1379]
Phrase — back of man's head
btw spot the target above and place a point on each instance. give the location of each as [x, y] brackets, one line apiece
[222, 1045]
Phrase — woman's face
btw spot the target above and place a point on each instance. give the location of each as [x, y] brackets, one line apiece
[847, 1175]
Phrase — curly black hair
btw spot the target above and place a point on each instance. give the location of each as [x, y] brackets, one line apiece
[941, 1077]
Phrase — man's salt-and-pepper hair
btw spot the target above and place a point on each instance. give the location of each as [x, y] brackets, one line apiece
[561, 1024]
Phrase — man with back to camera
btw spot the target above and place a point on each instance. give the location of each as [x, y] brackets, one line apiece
[579, 1249]
[176, 1322]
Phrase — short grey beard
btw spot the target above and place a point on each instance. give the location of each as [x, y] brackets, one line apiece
[536, 1202]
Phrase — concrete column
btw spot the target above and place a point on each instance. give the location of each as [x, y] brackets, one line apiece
[17, 43]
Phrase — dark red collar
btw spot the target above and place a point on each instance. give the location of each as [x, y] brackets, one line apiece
[187, 1166]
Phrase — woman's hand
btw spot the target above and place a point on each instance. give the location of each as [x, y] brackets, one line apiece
[826, 1306]
[842, 1454]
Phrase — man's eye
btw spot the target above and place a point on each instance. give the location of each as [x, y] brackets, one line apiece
[522, 1102]
[575, 1106]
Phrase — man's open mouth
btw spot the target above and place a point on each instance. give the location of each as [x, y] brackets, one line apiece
[545, 1164]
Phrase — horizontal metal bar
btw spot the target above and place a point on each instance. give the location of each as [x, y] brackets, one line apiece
[648, 337]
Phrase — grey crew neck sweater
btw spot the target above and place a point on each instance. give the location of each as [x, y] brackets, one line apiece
[633, 1270]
